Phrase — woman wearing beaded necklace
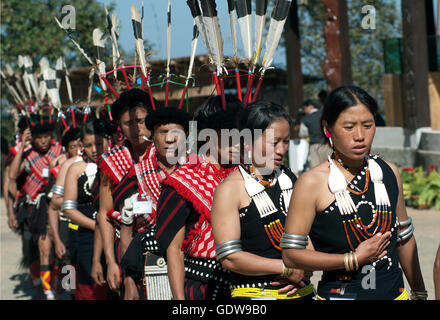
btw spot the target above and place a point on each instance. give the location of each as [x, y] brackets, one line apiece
[352, 209]
[249, 210]
[78, 206]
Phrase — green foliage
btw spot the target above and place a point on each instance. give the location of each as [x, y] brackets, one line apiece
[421, 189]
[29, 28]
[366, 45]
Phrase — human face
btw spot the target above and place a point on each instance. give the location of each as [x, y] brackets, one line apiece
[353, 133]
[117, 138]
[228, 147]
[41, 141]
[94, 146]
[269, 149]
[73, 147]
[169, 141]
[132, 123]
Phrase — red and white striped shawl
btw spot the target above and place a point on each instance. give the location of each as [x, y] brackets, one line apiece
[196, 183]
[37, 162]
[116, 163]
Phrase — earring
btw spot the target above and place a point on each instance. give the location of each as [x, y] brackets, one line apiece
[328, 135]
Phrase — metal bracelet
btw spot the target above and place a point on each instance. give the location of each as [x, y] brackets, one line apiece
[293, 241]
[69, 205]
[227, 248]
[56, 189]
[405, 234]
[405, 222]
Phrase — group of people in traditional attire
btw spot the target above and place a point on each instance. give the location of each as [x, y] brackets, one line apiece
[138, 218]
[226, 222]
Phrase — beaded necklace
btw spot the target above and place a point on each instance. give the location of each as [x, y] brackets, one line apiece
[367, 175]
[381, 213]
[263, 182]
[257, 191]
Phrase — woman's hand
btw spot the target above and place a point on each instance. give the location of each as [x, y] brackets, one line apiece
[26, 139]
[97, 274]
[130, 289]
[113, 276]
[12, 222]
[373, 249]
[60, 249]
[292, 283]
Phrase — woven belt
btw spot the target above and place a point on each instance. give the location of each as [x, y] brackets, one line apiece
[270, 293]
[403, 295]
[73, 226]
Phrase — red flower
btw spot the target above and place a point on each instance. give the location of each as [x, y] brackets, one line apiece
[432, 168]
[408, 169]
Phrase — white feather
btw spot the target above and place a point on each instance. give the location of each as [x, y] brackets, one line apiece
[67, 78]
[245, 24]
[215, 39]
[272, 41]
[136, 16]
[233, 22]
[99, 41]
[31, 76]
[259, 29]
[53, 93]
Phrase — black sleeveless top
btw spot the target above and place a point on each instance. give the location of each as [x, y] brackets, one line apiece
[254, 238]
[85, 198]
[380, 280]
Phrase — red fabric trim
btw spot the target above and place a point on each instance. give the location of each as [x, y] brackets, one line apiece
[123, 190]
[109, 213]
[203, 180]
[108, 172]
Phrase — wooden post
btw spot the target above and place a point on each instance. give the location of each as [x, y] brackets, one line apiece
[337, 62]
[295, 92]
[415, 62]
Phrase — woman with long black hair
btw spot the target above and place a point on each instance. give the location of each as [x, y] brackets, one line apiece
[352, 209]
[250, 207]
[78, 206]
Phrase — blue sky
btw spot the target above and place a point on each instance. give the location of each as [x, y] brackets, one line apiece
[155, 26]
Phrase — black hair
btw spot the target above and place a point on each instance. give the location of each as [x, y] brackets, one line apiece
[343, 98]
[322, 93]
[4, 146]
[41, 124]
[71, 135]
[260, 114]
[211, 115]
[110, 127]
[166, 115]
[129, 100]
[22, 123]
[310, 102]
[95, 127]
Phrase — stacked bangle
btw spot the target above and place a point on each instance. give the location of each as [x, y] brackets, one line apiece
[226, 248]
[407, 232]
[350, 261]
[286, 271]
[56, 189]
[419, 295]
[293, 241]
[69, 205]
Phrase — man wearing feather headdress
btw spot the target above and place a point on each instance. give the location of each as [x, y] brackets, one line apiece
[32, 210]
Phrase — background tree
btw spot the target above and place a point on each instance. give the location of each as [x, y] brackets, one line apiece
[28, 28]
[365, 44]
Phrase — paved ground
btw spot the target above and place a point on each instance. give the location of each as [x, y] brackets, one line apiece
[16, 285]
